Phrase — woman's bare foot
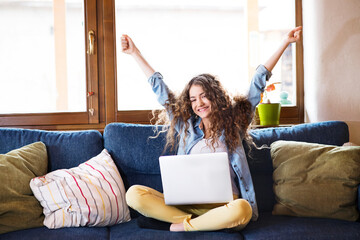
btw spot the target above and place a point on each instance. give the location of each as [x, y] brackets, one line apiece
[177, 227]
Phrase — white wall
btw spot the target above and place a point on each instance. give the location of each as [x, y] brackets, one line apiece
[331, 34]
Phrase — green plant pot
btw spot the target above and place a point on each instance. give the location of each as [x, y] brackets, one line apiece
[269, 113]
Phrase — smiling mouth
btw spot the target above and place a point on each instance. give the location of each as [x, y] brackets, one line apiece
[202, 109]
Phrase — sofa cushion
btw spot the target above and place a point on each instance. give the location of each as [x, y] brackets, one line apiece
[135, 153]
[316, 180]
[65, 149]
[130, 231]
[270, 227]
[260, 163]
[80, 233]
[19, 209]
[91, 194]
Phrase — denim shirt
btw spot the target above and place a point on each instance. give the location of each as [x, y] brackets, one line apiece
[238, 158]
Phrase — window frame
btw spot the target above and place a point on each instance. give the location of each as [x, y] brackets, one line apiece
[31, 120]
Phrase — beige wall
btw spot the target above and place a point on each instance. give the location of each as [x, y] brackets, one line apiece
[331, 37]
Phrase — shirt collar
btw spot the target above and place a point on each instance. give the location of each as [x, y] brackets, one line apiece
[197, 121]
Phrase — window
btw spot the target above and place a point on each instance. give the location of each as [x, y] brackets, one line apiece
[184, 38]
[43, 62]
[60, 68]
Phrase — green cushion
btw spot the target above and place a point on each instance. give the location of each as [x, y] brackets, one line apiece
[19, 209]
[315, 180]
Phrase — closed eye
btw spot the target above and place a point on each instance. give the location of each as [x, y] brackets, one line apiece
[203, 96]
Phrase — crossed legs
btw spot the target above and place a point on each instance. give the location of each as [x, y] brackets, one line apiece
[202, 217]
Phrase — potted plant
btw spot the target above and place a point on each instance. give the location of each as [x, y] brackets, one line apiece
[269, 113]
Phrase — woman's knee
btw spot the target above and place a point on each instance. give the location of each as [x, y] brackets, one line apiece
[241, 210]
[134, 196]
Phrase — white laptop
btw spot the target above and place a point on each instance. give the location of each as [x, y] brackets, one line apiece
[196, 178]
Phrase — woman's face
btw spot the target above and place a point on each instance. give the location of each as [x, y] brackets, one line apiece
[200, 104]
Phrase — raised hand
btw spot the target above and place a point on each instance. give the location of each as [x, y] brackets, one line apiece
[127, 45]
[294, 35]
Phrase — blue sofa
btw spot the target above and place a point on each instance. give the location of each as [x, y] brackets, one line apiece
[136, 156]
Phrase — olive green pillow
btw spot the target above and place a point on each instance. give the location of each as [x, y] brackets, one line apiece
[314, 180]
[19, 209]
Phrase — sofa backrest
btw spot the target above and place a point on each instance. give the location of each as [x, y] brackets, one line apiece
[65, 149]
[260, 163]
[136, 155]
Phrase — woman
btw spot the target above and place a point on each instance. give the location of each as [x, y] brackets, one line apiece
[206, 120]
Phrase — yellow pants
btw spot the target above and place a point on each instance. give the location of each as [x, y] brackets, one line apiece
[199, 217]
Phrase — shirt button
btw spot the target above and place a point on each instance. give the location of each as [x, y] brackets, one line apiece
[246, 189]
[235, 166]
[241, 178]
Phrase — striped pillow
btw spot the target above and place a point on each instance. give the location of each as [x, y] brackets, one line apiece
[91, 194]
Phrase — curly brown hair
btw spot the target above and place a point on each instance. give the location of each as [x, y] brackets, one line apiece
[229, 116]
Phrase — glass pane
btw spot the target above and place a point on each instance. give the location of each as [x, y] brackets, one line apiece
[42, 60]
[182, 39]
[271, 32]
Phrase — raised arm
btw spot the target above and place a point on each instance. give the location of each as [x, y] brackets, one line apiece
[263, 72]
[128, 46]
[155, 79]
[292, 36]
